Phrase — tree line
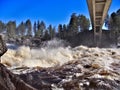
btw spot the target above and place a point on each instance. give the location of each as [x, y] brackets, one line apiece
[112, 22]
[77, 23]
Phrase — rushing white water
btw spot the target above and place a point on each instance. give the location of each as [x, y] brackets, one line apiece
[94, 65]
[51, 54]
[54, 53]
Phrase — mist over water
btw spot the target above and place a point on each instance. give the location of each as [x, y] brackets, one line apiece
[50, 54]
[55, 43]
[56, 53]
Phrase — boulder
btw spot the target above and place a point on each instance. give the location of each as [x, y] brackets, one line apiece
[10, 81]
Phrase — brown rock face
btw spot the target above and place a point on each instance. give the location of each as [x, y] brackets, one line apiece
[9, 81]
[3, 47]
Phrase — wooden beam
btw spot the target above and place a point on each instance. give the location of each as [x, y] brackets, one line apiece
[89, 3]
[100, 2]
[93, 11]
[106, 8]
[99, 16]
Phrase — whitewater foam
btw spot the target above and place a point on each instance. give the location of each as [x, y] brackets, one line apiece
[51, 54]
[48, 56]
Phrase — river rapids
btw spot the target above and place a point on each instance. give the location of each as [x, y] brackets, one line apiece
[56, 67]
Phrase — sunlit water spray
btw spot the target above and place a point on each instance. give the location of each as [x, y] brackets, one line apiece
[50, 54]
[54, 53]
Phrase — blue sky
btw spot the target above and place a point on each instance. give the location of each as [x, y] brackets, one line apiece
[51, 11]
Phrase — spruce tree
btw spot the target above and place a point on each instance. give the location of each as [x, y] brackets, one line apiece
[29, 27]
[83, 23]
[42, 28]
[73, 26]
[51, 31]
[11, 27]
[60, 30]
[2, 26]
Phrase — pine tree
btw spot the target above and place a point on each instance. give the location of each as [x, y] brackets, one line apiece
[35, 28]
[29, 27]
[51, 31]
[118, 12]
[73, 26]
[42, 28]
[65, 31]
[60, 31]
[38, 32]
[21, 29]
[54, 32]
[46, 35]
[2, 26]
[83, 23]
[114, 25]
[11, 27]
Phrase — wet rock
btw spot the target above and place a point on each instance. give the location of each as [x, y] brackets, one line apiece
[9, 81]
[72, 86]
[96, 66]
[103, 84]
[87, 66]
[3, 47]
[104, 72]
